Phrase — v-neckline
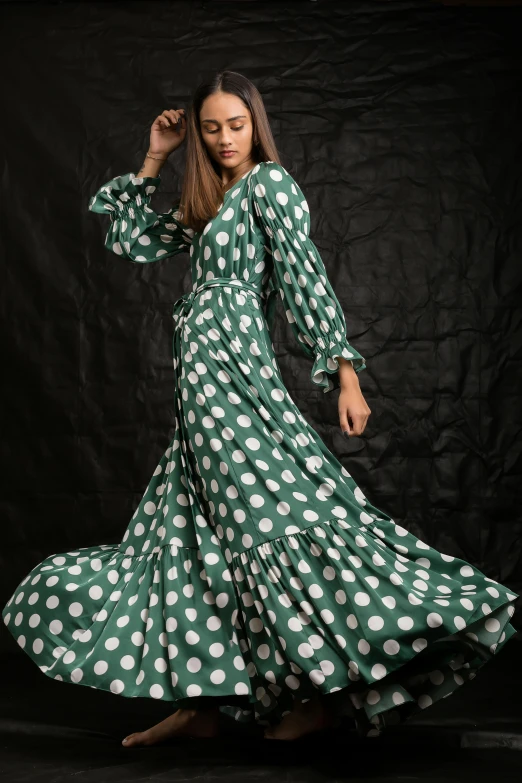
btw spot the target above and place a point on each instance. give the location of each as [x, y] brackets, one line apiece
[242, 177]
[239, 183]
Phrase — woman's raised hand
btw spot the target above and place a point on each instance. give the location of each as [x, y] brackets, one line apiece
[168, 132]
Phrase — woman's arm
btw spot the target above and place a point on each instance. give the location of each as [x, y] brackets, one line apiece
[311, 306]
[151, 168]
[137, 232]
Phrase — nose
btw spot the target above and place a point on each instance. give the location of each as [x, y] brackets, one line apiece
[224, 140]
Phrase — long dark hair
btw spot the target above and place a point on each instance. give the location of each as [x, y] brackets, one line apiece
[202, 191]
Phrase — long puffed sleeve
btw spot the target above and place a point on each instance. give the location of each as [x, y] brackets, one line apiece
[136, 231]
[312, 309]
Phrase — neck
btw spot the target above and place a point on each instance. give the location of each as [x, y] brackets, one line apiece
[229, 176]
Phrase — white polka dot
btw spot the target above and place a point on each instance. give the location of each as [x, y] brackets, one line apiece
[375, 623]
[361, 599]
[156, 691]
[434, 620]
[117, 686]
[378, 671]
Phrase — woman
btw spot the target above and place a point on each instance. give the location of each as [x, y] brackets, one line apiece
[255, 578]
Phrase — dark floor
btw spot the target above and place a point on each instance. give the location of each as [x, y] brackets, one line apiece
[55, 731]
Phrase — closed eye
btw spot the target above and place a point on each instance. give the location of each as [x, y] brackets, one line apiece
[239, 128]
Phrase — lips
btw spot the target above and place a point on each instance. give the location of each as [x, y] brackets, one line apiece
[227, 154]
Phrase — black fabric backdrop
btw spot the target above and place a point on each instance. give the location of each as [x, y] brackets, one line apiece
[401, 121]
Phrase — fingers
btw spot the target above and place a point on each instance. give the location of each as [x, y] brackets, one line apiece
[173, 117]
[170, 119]
[353, 424]
[345, 425]
[362, 425]
[161, 123]
[359, 424]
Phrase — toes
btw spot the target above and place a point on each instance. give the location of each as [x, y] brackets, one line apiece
[129, 741]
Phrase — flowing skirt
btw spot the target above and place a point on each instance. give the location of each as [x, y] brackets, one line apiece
[254, 570]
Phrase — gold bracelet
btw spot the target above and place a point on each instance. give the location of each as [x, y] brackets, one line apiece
[153, 158]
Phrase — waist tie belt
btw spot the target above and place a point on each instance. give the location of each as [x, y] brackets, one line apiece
[184, 303]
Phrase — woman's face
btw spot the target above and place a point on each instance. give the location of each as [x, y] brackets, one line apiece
[226, 124]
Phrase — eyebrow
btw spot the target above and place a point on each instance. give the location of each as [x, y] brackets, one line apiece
[239, 116]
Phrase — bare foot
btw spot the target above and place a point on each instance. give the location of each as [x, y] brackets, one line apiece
[304, 718]
[182, 723]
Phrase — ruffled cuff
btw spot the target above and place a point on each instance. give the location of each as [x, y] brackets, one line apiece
[123, 192]
[135, 226]
[325, 368]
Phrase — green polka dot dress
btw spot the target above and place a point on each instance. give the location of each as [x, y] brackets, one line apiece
[254, 570]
